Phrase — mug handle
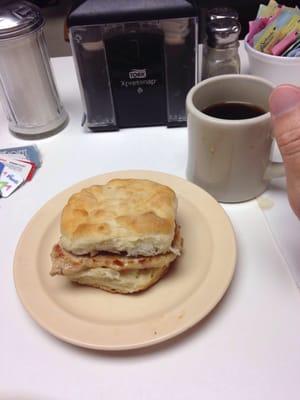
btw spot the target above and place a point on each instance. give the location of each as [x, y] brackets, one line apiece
[274, 170]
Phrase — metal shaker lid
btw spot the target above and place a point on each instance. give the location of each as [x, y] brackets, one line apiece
[222, 33]
[222, 12]
[18, 18]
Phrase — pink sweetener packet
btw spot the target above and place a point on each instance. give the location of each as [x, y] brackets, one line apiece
[256, 26]
[279, 47]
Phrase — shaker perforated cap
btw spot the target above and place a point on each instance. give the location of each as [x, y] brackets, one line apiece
[222, 33]
[222, 12]
[18, 18]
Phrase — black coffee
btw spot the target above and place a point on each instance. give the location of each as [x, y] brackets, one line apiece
[233, 110]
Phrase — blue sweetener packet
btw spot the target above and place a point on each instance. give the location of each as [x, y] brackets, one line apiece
[294, 53]
[293, 49]
[31, 153]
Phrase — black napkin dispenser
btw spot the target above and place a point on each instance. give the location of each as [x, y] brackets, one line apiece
[135, 61]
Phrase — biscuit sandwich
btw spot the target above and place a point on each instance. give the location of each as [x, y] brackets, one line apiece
[120, 237]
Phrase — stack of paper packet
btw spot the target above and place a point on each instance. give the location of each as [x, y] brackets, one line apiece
[17, 166]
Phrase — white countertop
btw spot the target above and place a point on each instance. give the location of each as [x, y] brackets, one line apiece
[247, 348]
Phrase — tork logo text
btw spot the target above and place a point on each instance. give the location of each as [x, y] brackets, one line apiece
[137, 73]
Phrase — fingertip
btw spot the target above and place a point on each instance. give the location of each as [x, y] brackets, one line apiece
[283, 99]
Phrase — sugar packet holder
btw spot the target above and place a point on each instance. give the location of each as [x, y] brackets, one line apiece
[275, 29]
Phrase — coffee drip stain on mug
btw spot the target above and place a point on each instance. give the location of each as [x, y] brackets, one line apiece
[265, 203]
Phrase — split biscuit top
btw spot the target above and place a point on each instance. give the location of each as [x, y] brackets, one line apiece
[134, 216]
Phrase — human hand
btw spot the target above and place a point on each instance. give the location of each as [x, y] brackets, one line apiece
[285, 111]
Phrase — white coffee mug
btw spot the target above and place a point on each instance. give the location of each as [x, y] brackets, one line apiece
[230, 158]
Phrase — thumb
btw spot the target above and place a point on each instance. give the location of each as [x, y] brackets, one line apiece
[285, 111]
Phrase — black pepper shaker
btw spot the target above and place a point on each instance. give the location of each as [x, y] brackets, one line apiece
[220, 49]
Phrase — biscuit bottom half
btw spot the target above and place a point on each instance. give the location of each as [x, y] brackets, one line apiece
[129, 281]
[114, 273]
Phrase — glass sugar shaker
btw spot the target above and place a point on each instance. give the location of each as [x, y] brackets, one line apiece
[220, 49]
[27, 89]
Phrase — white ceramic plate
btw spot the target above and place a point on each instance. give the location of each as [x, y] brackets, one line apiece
[97, 319]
